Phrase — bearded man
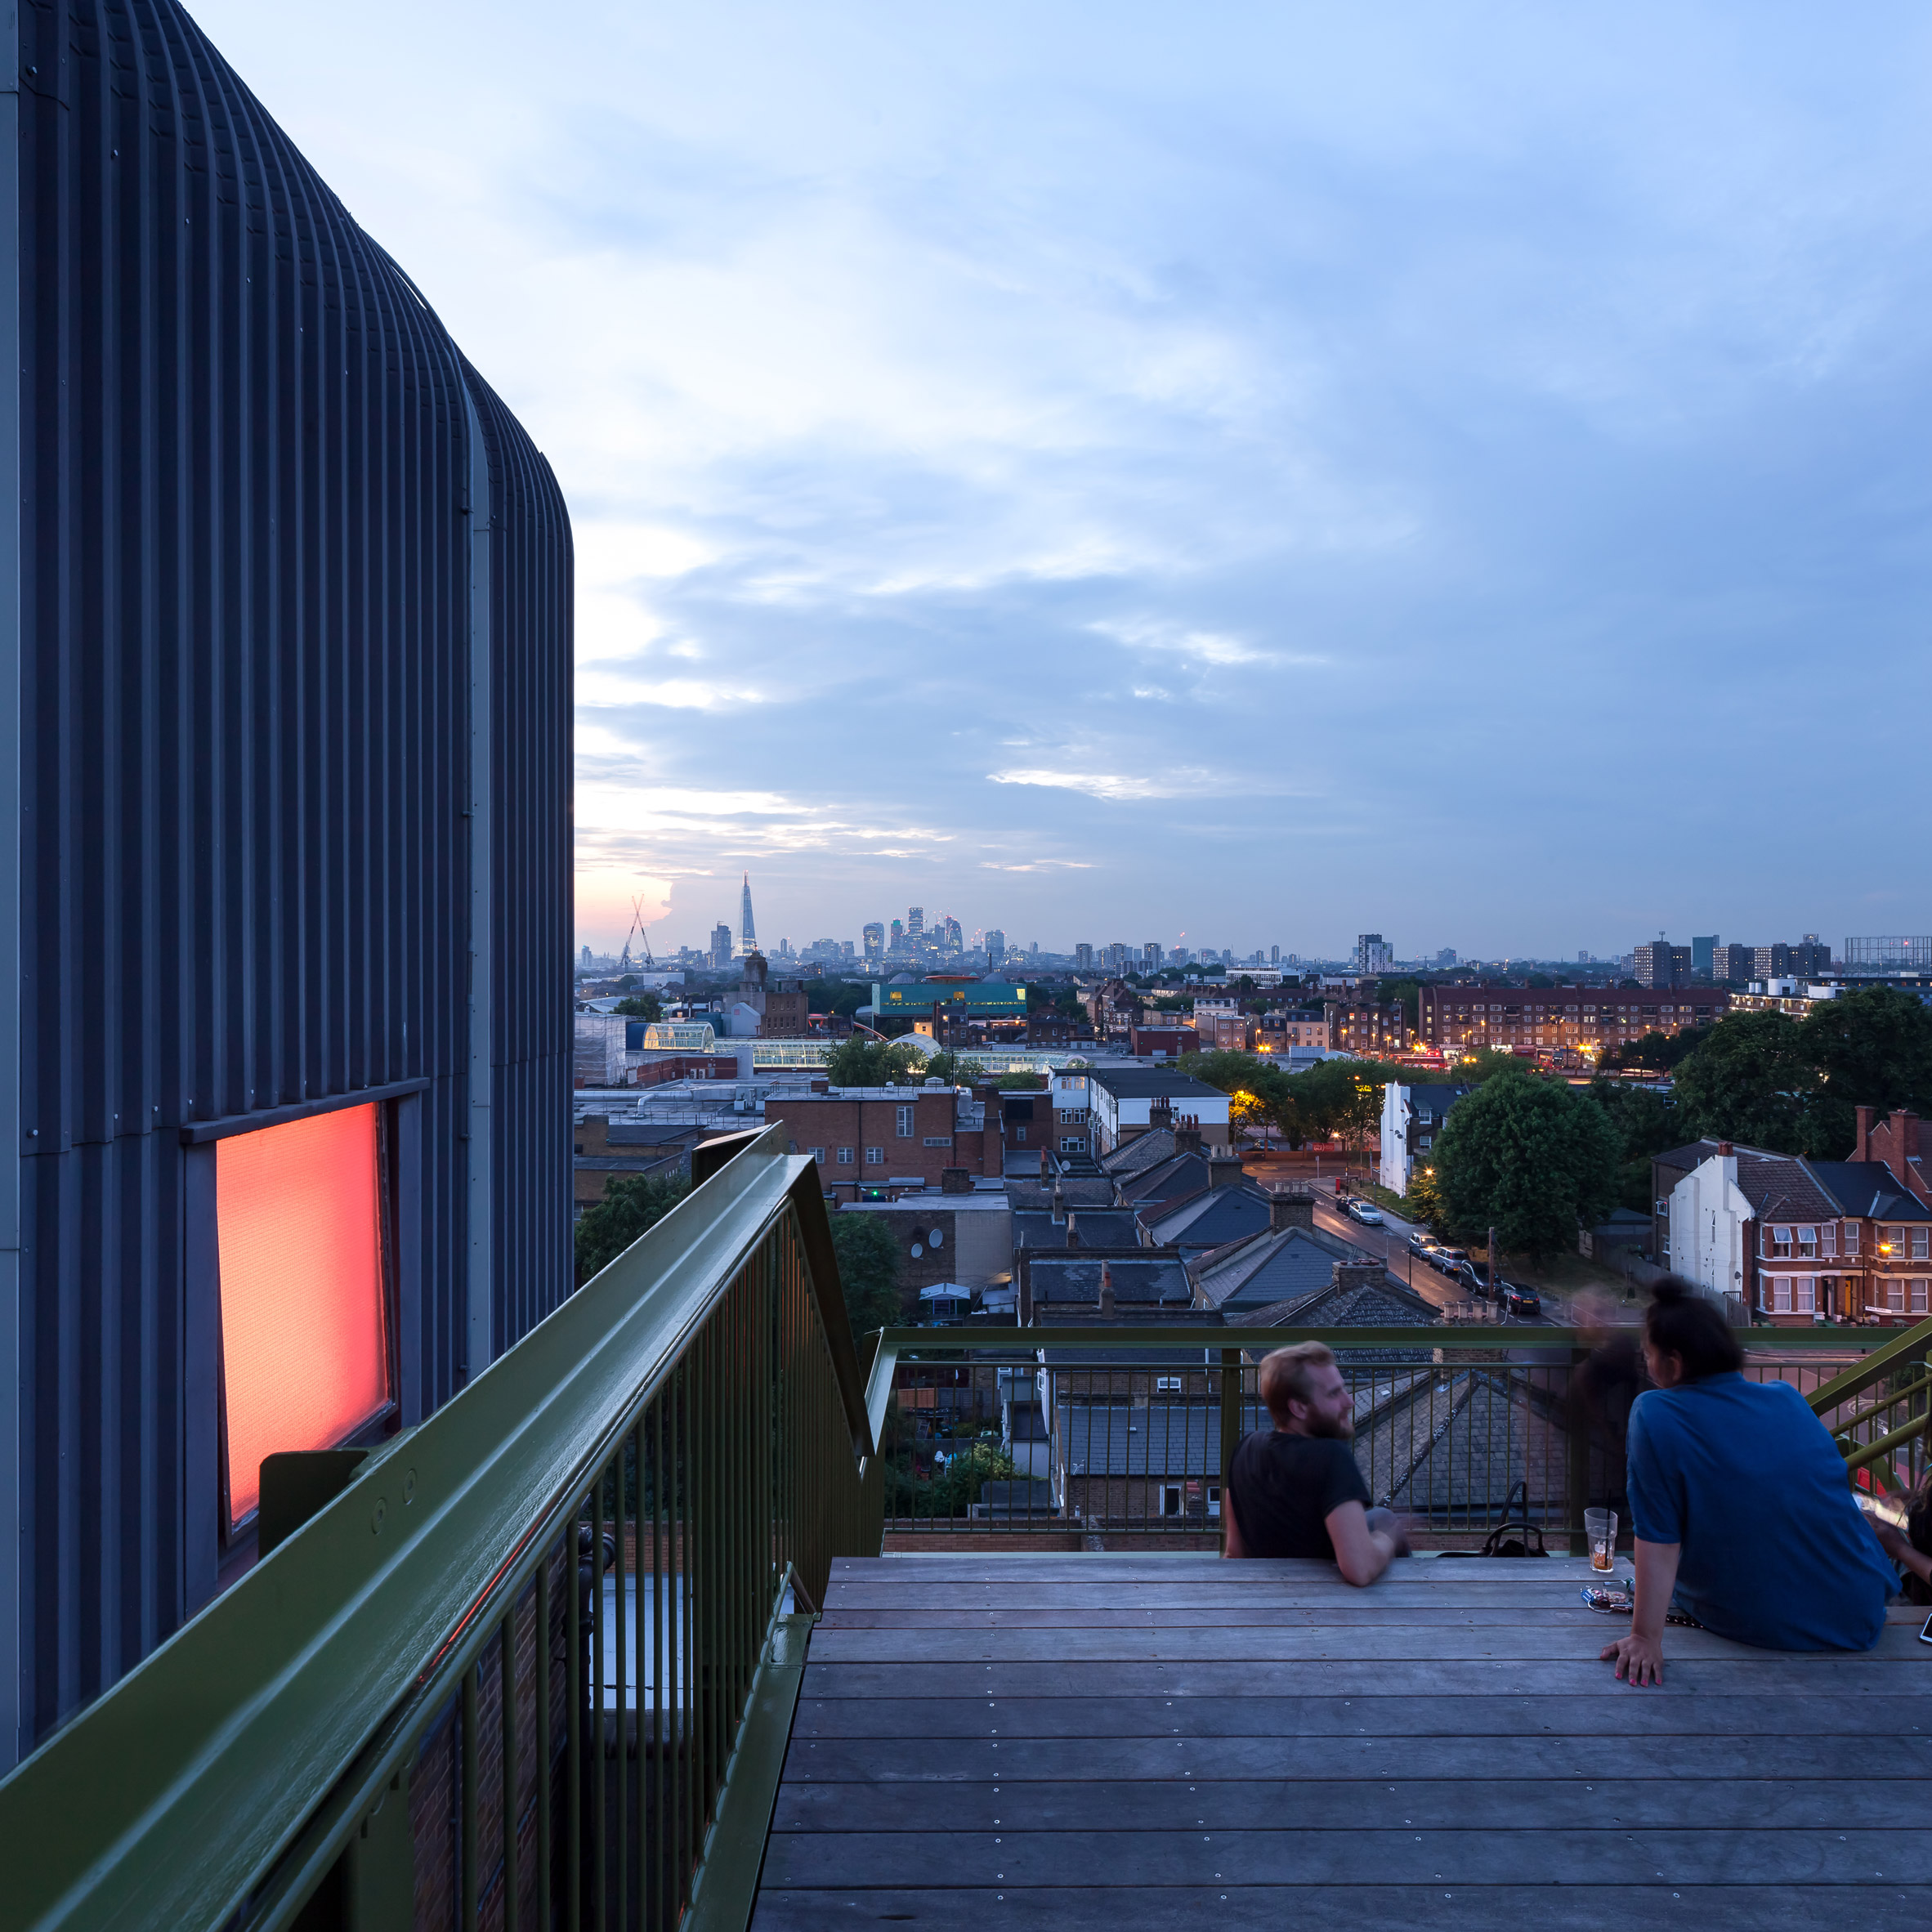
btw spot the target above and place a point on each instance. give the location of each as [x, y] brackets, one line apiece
[1295, 1490]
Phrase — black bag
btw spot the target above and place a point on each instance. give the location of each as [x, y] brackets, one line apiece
[1515, 1535]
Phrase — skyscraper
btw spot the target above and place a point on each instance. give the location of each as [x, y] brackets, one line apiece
[915, 928]
[955, 936]
[748, 938]
[873, 936]
[720, 944]
[1150, 955]
[1083, 958]
[1371, 954]
[995, 947]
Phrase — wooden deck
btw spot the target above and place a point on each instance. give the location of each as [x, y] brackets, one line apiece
[1107, 1741]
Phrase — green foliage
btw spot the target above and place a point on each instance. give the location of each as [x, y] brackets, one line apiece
[1646, 1123]
[640, 1006]
[1531, 1158]
[1751, 1080]
[1021, 1083]
[1487, 1062]
[956, 1068]
[629, 1206]
[1342, 1099]
[863, 1061]
[949, 1491]
[1656, 1053]
[843, 996]
[868, 1272]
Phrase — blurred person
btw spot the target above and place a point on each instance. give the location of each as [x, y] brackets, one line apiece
[1742, 1512]
[1295, 1490]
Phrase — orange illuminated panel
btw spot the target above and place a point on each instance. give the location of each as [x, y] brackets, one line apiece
[305, 1359]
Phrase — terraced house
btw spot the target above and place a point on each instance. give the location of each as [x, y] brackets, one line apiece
[1584, 1019]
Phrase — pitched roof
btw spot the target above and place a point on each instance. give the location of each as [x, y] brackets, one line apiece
[1173, 1439]
[1073, 1275]
[1779, 1186]
[1144, 1151]
[1289, 1265]
[1868, 1188]
[1208, 1219]
[1166, 1180]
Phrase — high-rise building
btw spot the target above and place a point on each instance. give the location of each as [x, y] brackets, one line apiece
[1657, 965]
[916, 928]
[748, 938]
[873, 937]
[1274, 956]
[720, 944]
[1811, 957]
[1703, 952]
[1446, 956]
[1116, 956]
[1768, 962]
[1731, 964]
[1150, 956]
[1372, 954]
[995, 946]
[1083, 958]
[955, 936]
[896, 949]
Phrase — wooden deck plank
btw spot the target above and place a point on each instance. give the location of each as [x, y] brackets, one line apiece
[1852, 1857]
[1115, 1740]
[1487, 1802]
[1527, 1639]
[1836, 1675]
[1348, 1763]
[1610, 1710]
[1235, 1909]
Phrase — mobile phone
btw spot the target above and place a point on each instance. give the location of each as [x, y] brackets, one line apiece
[1926, 1634]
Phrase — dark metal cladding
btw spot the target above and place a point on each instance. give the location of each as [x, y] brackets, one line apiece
[247, 633]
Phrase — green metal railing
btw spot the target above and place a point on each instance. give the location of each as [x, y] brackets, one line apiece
[1879, 1410]
[1459, 1429]
[534, 1667]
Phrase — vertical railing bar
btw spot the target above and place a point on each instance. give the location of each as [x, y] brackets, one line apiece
[639, 1618]
[599, 1880]
[623, 1617]
[574, 1691]
[506, 1712]
[541, 1660]
[692, 1538]
[470, 1775]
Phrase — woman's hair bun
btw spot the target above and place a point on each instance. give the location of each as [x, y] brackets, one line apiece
[1670, 1291]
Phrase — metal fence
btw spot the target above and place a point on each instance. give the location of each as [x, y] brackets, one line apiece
[535, 1665]
[1125, 1432]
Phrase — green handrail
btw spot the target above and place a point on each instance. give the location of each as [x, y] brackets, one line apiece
[236, 1764]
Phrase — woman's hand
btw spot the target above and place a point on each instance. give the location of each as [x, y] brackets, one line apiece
[1639, 1657]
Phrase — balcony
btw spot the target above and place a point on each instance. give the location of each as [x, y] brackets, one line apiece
[609, 1640]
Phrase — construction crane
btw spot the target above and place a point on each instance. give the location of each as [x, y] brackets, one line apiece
[638, 929]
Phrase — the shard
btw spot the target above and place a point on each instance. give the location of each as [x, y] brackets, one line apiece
[748, 938]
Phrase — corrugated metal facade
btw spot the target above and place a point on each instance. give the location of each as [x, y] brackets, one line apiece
[244, 640]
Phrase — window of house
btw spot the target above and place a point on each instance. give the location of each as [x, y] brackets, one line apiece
[1781, 1243]
[1920, 1251]
[875, 1156]
[1019, 1134]
[304, 1306]
[1807, 1298]
[1167, 1385]
[818, 1154]
[906, 1115]
[1920, 1290]
[1170, 1499]
[1828, 1241]
[1895, 1297]
[1808, 1242]
[845, 1156]
[1781, 1294]
[1851, 1237]
[1213, 1499]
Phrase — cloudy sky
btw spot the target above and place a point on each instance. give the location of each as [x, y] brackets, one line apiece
[1260, 473]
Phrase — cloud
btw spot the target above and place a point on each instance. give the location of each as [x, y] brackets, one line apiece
[1111, 785]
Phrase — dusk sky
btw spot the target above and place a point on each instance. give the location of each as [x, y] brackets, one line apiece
[1264, 473]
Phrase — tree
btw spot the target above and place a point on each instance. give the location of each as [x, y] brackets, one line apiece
[868, 1270]
[629, 1206]
[863, 1063]
[1656, 1053]
[955, 1067]
[1487, 1061]
[1870, 1048]
[1749, 1079]
[1021, 1083]
[1532, 1158]
[640, 1006]
[1646, 1123]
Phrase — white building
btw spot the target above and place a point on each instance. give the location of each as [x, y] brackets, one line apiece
[1412, 1117]
[1710, 1223]
[1126, 1100]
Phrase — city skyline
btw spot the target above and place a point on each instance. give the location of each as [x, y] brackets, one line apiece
[1273, 474]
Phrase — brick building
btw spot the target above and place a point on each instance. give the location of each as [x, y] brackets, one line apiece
[1585, 1019]
[1367, 1027]
[1282, 1031]
[879, 1143]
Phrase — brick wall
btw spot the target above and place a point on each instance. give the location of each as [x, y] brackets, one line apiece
[834, 1123]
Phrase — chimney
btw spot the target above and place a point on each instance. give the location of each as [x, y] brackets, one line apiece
[955, 1180]
[1073, 1233]
[1725, 1150]
[1357, 1274]
[1106, 1291]
[1862, 1145]
[1044, 1170]
[1059, 1205]
[1290, 1207]
[1224, 1167]
[1187, 1135]
[1161, 1113]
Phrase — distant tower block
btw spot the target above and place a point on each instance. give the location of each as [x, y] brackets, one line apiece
[747, 938]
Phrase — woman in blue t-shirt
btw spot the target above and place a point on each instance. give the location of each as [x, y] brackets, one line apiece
[1740, 1501]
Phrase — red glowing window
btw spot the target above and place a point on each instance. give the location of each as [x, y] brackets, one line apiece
[305, 1355]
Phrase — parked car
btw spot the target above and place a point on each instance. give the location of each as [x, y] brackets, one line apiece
[1446, 1259]
[1424, 1244]
[1360, 1211]
[1518, 1300]
[1476, 1280]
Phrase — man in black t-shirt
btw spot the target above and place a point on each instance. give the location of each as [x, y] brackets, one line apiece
[1295, 1490]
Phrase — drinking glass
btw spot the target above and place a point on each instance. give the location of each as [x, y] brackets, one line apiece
[1599, 1526]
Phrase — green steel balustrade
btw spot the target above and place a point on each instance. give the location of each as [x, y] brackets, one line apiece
[1878, 1409]
[535, 1664]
